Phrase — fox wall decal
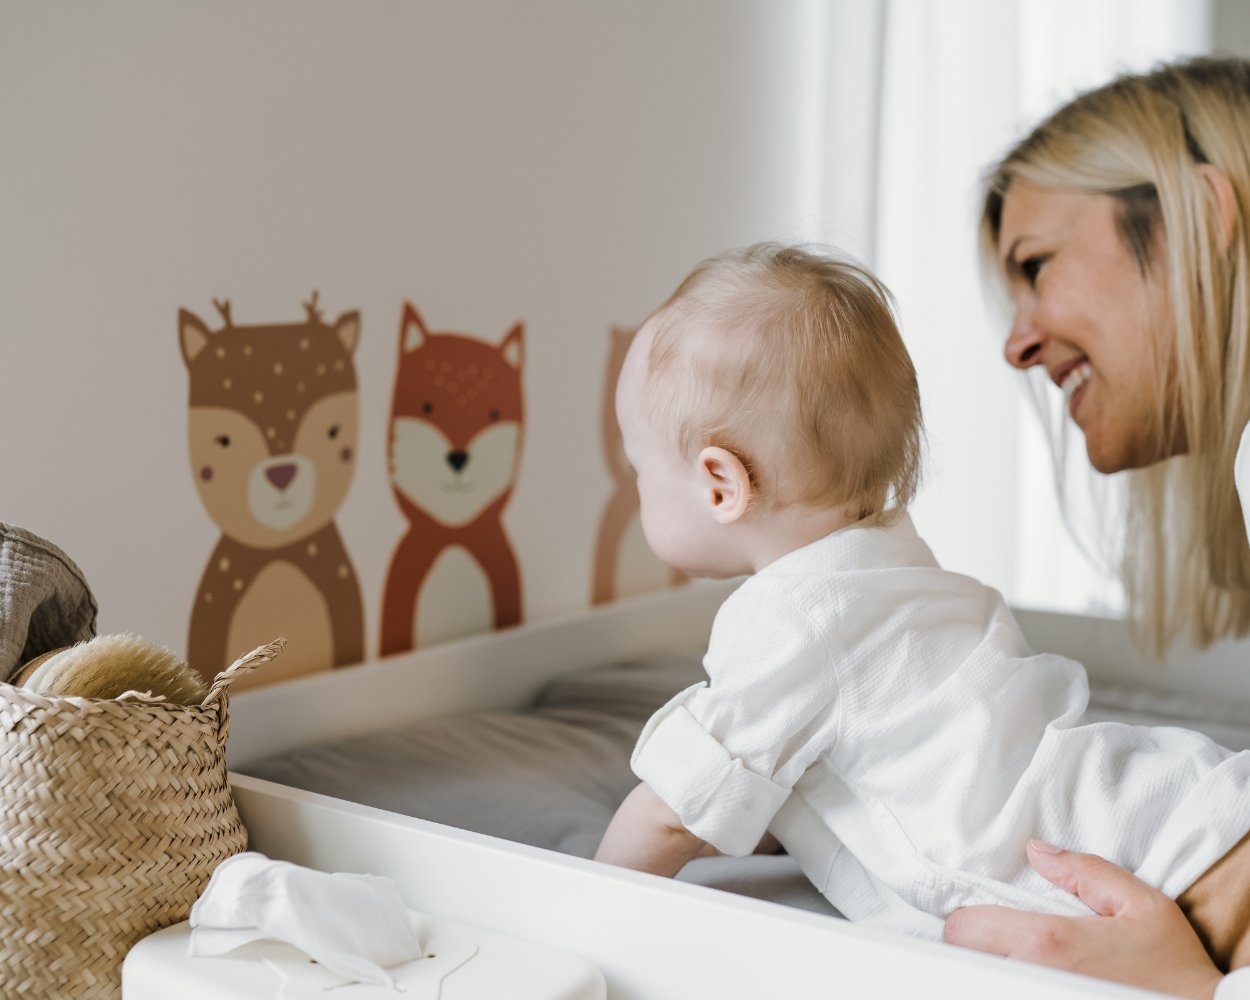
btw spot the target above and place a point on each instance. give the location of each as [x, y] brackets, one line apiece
[272, 436]
[456, 425]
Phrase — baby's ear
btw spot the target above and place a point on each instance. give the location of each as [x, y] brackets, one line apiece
[726, 483]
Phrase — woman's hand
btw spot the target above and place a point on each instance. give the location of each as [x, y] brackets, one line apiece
[1140, 936]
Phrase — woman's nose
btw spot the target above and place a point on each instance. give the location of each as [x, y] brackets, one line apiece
[1024, 343]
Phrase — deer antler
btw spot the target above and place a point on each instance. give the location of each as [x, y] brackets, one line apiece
[223, 307]
[314, 314]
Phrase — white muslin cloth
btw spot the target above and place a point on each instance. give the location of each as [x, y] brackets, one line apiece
[354, 925]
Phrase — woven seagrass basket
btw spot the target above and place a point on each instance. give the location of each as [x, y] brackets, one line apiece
[113, 814]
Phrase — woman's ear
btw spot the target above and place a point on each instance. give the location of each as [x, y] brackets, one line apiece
[726, 483]
[1223, 200]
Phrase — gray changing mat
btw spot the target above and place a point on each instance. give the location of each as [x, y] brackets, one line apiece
[551, 777]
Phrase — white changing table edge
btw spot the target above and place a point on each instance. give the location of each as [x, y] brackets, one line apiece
[653, 939]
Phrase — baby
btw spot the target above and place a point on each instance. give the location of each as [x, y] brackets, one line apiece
[882, 718]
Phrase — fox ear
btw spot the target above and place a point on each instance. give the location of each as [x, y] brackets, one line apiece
[347, 329]
[412, 331]
[192, 335]
[512, 348]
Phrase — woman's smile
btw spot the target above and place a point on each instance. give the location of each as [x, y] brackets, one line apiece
[1073, 384]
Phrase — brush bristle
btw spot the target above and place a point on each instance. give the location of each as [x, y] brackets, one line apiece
[110, 665]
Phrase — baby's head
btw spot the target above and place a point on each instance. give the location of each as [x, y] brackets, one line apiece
[787, 358]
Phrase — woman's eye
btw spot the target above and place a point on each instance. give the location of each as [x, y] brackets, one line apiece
[1031, 267]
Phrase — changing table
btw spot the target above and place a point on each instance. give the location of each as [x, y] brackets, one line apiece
[652, 938]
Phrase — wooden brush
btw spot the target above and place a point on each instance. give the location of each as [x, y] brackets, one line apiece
[110, 665]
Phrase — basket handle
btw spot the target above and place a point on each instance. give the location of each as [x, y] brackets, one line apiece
[245, 663]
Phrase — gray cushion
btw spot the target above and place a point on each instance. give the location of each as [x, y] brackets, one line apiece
[551, 777]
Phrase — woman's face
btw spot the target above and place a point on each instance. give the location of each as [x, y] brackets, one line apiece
[1083, 309]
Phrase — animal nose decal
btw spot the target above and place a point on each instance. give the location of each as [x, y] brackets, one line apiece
[457, 459]
[281, 475]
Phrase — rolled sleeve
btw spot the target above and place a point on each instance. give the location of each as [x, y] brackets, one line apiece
[716, 796]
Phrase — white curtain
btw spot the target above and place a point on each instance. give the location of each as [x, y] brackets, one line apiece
[922, 96]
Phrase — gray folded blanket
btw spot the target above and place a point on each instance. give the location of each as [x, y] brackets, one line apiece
[45, 602]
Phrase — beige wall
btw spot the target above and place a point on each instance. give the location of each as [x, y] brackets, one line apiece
[554, 162]
[557, 162]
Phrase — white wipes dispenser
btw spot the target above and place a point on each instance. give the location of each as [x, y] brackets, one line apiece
[459, 963]
[267, 928]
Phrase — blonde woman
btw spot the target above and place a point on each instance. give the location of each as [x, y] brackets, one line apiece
[1119, 229]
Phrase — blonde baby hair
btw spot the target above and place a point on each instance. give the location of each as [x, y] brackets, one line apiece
[1142, 138]
[789, 357]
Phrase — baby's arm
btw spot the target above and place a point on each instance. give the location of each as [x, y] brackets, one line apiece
[646, 835]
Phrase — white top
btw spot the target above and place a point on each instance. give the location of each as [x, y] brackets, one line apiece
[1241, 476]
[1236, 985]
[886, 720]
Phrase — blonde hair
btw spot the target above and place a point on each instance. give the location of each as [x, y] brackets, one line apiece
[794, 342]
[1185, 560]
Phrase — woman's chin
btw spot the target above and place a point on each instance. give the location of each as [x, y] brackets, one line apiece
[1104, 464]
[1106, 458]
